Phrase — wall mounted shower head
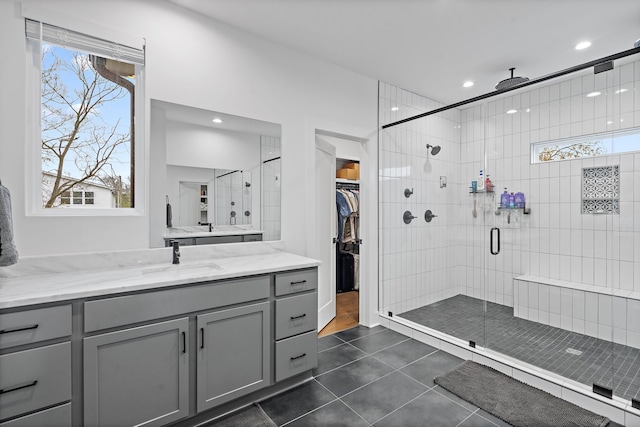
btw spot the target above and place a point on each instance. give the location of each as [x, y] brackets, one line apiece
[434, 149]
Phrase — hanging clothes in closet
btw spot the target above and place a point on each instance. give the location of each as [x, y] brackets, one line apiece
[347, 249]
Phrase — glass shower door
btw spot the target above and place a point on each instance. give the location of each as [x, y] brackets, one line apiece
[549, 267]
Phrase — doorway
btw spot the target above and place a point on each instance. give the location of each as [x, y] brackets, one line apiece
[342, 208]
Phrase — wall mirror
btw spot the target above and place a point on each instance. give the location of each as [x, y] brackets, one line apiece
[220, 170]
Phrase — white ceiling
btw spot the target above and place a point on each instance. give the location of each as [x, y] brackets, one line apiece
[432, 46]
[200, 117]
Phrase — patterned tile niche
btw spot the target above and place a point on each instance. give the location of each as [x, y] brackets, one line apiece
[601, 190]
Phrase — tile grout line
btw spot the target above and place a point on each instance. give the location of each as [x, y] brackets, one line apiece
[402, 406]
[314, 409]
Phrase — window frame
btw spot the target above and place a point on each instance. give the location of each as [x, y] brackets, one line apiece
[33, 147]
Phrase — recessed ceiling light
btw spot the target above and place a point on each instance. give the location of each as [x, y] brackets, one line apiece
[623, 90]
[528, 110]
[217, 120]
[592, 94]
[583, 45]
[394, 108]
[467, 84]
[512, 111]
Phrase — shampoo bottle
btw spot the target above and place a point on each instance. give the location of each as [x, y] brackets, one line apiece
[504, 199]
[481, 181]
[519, 202]
[488, 185]
[512, 201]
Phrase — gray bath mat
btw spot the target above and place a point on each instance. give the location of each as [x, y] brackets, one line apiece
[252, 416]
[513, 401]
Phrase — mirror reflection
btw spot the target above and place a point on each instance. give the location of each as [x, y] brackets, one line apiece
[222, 176]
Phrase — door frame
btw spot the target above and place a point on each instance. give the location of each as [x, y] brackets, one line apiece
[368, 291]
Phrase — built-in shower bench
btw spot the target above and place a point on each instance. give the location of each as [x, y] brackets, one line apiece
[601, 312]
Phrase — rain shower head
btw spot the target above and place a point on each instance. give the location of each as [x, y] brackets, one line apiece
[511, 81]
[434, 149]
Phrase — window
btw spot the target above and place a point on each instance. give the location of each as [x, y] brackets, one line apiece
[87, 117]
[621, 141]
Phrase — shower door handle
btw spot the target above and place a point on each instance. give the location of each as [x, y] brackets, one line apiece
[491, 234]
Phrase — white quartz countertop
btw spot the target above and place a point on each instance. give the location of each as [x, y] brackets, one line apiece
[203, 231]
[40, 280]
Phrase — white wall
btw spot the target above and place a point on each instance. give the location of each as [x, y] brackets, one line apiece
[191, 60]
[202, 147]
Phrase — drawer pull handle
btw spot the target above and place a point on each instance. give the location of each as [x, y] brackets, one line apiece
[184, 342]
[20, 387]
[26, 328]
[299, 282]
[298, 357]
[201, 337]
[298, 317]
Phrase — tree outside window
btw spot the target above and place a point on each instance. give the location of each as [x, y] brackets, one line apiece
[87, 126]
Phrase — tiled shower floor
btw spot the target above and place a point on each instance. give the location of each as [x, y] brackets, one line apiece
[575, 356]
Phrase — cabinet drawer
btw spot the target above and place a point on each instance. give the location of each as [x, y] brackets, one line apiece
[252, 238]
[33, 379]
[60, 416]
[295, 315]
[296, 281]
[26, 327]
[212, 240]
[296, 355]
[125, 310]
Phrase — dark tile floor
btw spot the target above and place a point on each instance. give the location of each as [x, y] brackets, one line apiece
[579, 357]
[376, 377]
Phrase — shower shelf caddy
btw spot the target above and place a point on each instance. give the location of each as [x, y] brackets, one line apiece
[525, 210]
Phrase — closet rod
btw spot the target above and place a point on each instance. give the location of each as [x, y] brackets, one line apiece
[347, 186]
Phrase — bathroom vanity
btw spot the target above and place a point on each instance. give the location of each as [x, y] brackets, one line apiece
[200, 235]
[154, 343]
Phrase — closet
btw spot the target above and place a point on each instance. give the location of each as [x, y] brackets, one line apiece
[348, 218]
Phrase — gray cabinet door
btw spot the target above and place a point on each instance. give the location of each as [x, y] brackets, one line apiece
[233, 354]
[137, 376]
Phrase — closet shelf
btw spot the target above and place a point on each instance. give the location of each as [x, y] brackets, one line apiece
[347, 181]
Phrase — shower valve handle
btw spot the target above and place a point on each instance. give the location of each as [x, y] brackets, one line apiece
[428, 215]
[407, 217]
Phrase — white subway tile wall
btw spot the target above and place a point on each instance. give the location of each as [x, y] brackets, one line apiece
[270, 214]
[418, 261]
[422, 262]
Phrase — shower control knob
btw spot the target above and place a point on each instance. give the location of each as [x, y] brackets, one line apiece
[407, 217]
[428, 215]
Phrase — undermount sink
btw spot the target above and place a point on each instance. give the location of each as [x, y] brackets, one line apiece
[192, 267]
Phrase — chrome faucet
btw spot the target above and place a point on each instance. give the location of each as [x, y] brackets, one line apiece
[210, 227]
[176, 251]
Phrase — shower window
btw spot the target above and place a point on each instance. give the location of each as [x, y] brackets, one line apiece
[620, 141]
